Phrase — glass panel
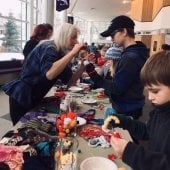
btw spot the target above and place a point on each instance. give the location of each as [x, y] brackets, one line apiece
[14, 20]
[12, 29]
[11, 6]
[35, 17]
[10, 39]
[23, 11]
[35, 3]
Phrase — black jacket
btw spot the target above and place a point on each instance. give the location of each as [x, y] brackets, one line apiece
[29, 46]
[157, 132]
[125, 89]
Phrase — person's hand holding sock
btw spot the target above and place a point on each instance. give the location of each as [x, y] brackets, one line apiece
[90, 69]
[114, 121]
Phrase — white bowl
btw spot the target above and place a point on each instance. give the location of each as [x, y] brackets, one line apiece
[98, 163]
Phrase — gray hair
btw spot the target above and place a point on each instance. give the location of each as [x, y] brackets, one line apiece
[62, 34]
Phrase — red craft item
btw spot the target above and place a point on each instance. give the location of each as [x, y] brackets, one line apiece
[112, 157]
[101, 61]
[91, 131]
[101, 95]
[60, 94]
[116, 135]
[63, 116]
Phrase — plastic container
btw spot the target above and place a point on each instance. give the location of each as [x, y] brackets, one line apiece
[66, 154]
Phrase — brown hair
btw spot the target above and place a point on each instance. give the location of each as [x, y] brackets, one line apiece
[48, 26]
[156, 69]
[50, 30]
[40, 32]
[130, 32]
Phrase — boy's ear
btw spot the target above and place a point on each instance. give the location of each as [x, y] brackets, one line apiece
[124, 31]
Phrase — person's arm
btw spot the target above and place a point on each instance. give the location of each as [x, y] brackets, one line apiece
[139, 158]
[100, 82]
[79, 72]
[126, 74]
[136, 128]
[76, 75]
[58, 66]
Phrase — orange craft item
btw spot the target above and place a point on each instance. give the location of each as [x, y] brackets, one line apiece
[71, 115]
[66, 124]
[63, 116]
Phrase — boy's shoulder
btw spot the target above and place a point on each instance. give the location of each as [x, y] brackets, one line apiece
[163, 110]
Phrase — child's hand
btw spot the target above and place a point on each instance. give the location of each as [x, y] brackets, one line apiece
[87, 58]
[90, 68]
[91, 57]
[111, 122]
[118, 145]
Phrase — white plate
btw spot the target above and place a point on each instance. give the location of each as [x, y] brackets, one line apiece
[98, 90]
[89, 101]
[84, 84]
[81, 121]
[98, 163]
[75, 89]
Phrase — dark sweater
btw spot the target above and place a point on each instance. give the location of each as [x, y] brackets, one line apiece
[29, 46]
[125, 89]
[157, 155]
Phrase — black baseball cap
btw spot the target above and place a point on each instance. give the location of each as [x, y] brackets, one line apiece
[121, 21]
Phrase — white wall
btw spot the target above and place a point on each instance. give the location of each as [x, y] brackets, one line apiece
[161, 21]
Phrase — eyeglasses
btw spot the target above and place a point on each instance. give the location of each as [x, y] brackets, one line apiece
[113, 34]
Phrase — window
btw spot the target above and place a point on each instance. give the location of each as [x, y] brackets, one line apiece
[15, 19]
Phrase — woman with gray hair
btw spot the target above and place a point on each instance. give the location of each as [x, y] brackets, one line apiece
[47, 63]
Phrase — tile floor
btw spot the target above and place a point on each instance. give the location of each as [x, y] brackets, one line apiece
[5, 123]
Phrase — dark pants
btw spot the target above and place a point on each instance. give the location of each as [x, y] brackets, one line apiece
[16, 110]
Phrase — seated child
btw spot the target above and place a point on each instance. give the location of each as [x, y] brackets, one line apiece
[112, 56]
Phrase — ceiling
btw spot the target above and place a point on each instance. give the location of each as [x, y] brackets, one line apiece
[98, 10]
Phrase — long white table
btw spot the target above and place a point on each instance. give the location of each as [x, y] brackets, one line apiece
[87, 151]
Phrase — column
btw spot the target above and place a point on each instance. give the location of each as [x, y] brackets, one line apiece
[30, 14]
[50, 12]
[64, 16]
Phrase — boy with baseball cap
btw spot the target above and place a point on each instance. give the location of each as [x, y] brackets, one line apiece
[125, 89]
